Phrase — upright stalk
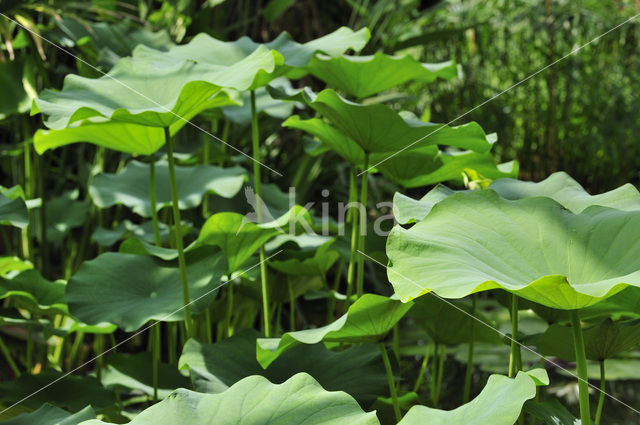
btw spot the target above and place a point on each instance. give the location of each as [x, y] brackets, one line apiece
[392, 384]
[292, 306]
[469, 372]
[255, 141]
[7, 356]
[515, 347]
[155, 335]
[353, 215]
[581, 366]
[603, 388]
[154, 204]
[363, 225]
[178, 231]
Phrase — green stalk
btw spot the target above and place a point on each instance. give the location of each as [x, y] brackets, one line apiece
[98, 348]
[363, 225]
[172, 339]
[581, 366]
[28, 193]
[292, 306]
[154, 204]
[207, 326]
[336, 285]
[7, 355]
[29, 348]
[441, 359]
[229, 312]
[603, 388]
[392, 385]
[255, 141]
[73, 353]
[469, 372]
[423, 368]
[178, 230]
[353, 215]
[515, 347]
[155, 335]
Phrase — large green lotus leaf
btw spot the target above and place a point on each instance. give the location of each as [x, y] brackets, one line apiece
[427, 166]
[126, 137]
[240, 238]
[363, 76]
[568, 192]
[602, 341]
[139, 91]
[13, 210]
[533, 247]
[48, 414]
[450, 322]
[301, 263]
[625, 303]
[217, 55]
[108, 237]
[499, 403]
[559, 187]
[256, 401]
[135, 372]
[130, 187]
[367, 320]
[31, 291]
[378, 128]
[357, 370]
[71, 392]
[128, 289]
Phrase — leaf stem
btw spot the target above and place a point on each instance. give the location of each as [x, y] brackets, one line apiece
[515, 347]
[469, 372]
[363, 225]
[581, 366]
[292, 306]
[7, 355]
[178, 232]
[153, 200]
[353, 215]
[255, 141]
[423, 368]
[229, 313]
[603, 388]
[392, 385]
[155, 335]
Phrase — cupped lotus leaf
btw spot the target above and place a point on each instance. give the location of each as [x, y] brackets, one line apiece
[601, 341]
[378, 128]
[301, 263]
[48, 414]
[69, 392]
[357, 370]
[134, 372]
[369, 319]
[256, 401]
[130, 187]
[533, 247]
[239, 238]
[128, 289]
[13, 210]
[363, 76]
[409, 210]
[499, 403]
[31, 291]
[565, 190]
[451, 322]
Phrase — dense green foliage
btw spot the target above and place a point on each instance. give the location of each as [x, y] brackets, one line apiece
[236, 212]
